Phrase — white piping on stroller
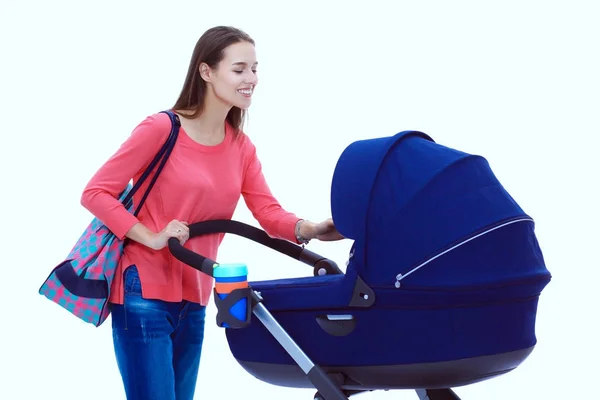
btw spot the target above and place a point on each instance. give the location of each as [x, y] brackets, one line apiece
[399, 277]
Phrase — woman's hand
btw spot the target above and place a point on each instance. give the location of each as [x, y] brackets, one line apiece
[327, 232]
[324, 231]
[176, 229]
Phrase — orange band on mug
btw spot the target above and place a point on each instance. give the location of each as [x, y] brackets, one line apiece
[228, 287]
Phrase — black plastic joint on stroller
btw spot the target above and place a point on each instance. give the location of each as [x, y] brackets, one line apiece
[362, 296]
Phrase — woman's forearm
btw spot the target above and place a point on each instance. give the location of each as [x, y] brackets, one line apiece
[141, 234]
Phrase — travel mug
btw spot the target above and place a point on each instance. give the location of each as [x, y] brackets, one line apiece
[229, 277]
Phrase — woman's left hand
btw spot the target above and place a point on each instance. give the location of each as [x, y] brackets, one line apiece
[326, 231]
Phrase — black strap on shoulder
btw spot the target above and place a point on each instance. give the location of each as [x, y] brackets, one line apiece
[162, 156]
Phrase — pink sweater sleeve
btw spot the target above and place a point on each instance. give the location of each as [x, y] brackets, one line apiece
[276, 221]
[100, 196]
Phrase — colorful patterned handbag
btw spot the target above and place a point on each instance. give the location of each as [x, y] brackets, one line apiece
[81, 283]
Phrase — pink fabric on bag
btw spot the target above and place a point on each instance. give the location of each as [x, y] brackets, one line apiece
[197, 183]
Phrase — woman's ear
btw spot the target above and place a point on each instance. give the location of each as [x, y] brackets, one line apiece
[205, 72]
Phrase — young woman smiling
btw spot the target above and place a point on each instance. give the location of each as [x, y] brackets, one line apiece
[158, 303]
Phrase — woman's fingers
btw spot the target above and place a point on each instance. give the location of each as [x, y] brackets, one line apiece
[178, 230]
[183, 232]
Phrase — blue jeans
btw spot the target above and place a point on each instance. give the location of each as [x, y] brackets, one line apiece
[157, 344]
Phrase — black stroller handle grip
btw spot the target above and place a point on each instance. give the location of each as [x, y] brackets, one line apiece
[206, 265]
[191, 258]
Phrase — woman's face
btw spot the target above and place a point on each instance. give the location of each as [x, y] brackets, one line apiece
[234, 79]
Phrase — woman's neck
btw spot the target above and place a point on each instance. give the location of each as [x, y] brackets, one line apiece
[212, 119]
[209, 126]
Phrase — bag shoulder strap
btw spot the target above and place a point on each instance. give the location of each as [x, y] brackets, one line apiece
[162, 156]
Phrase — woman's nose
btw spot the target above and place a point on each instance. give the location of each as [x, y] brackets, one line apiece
[252, 78]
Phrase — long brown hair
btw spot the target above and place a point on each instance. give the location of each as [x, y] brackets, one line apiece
[210, 50]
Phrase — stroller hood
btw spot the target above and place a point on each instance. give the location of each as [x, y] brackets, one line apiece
[405, 199]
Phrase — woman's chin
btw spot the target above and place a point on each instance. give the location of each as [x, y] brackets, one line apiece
[244, 105]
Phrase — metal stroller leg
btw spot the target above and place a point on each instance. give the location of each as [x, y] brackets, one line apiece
[437, 394]
[325, 386]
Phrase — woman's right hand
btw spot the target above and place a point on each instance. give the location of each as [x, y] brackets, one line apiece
[176, 229]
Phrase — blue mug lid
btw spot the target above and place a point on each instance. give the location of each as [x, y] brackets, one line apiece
[229, 270]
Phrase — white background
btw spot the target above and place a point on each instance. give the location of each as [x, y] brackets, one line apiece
[515, 81]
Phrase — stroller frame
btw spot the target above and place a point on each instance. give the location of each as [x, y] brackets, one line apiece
[327, 388]
[330, 385]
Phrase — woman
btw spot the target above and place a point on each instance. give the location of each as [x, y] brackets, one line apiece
[158, 303]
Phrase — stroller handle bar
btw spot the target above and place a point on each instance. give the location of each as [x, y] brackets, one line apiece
[320, 264]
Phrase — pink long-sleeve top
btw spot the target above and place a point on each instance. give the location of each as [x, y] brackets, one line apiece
[197, 183]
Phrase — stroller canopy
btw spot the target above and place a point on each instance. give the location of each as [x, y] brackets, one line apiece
[405, 199]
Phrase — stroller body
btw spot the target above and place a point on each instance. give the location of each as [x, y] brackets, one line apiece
[441, 288]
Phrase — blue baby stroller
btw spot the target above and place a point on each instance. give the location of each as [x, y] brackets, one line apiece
[441, 287]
